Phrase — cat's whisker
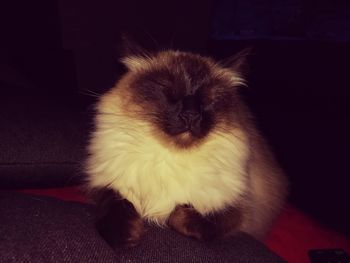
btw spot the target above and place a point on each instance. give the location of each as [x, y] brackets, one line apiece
[224, 136]
[140, 114]
[227, 133]
[151, 38]
[91, 93]
[132, 131]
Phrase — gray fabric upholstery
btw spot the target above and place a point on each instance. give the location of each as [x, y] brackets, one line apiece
[42, 229]
[43, 140]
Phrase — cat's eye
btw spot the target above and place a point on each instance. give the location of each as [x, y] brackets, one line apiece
[171, 98]
[173, 101]
[159, 84]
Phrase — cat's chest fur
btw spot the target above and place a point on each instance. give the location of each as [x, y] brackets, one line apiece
[155, 178]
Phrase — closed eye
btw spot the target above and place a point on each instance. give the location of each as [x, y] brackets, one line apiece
[171, 96]
[159, 83]
[173, 100]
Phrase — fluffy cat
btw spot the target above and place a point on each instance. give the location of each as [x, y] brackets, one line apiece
[175, 144]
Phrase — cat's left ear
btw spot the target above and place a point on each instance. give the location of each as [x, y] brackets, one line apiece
[238, 63]
[129, 47]
[133, 55]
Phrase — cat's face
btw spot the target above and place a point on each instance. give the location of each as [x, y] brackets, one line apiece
[185, 97]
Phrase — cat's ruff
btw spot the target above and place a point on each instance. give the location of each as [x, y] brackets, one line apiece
[155, 178]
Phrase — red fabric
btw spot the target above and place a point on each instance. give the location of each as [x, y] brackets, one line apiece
[295, 233]
[291, 237]
[68, 193]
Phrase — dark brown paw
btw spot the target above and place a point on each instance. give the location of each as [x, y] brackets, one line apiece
[121, 235]
[187, 221]
[134, 234]
[117, 222]
[222, 224]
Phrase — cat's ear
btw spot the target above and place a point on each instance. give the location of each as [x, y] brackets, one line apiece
[238, 62]
[133, 55]
[129, 46]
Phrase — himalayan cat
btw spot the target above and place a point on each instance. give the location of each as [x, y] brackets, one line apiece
[174, 144]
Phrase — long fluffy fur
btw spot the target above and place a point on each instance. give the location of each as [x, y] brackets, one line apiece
[230, 167]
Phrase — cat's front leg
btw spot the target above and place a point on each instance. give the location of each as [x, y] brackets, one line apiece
[117, 220]
[189, 222]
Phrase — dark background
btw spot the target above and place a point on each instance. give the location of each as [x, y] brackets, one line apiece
[55, 56]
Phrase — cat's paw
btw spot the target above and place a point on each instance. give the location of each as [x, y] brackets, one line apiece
[121, 235]
[134, 233]
[117, 221]
[187, 221]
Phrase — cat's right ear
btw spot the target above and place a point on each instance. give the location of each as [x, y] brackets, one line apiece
[133, 55]
[238, 62]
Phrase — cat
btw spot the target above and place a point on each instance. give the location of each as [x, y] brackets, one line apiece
[175, 144]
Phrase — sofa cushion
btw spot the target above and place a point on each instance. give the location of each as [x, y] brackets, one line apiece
[43, 139]
[41, 229]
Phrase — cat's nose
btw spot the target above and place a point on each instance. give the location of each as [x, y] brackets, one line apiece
[189, 117]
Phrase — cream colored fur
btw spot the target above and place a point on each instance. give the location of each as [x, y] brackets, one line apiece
[127, 157]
